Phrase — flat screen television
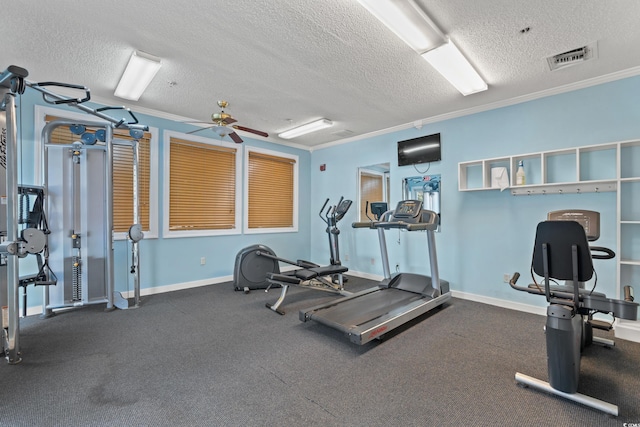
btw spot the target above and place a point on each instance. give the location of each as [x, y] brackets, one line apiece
[423, 149]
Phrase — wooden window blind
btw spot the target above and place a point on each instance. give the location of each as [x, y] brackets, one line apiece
[122, 174]
[202, 186]
[271, 186]
[371, 190]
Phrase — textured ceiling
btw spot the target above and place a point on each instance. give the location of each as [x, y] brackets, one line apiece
[282, 63]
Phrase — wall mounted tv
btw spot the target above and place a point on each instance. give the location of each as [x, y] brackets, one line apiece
[423, 149]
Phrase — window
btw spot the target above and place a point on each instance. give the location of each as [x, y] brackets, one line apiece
[122, 174]
[201, 181]
[272, 191]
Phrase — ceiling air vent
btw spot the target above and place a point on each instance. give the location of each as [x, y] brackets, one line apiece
[572, 57]
[343, 133]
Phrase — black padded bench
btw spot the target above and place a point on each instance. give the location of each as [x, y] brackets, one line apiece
[319, 278]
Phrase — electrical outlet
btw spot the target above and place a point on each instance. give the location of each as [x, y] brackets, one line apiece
[506, 277]
[203, 261]
[373, 261]
[346, 257]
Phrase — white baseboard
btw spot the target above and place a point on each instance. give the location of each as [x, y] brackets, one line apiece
[527, 308]
[178, 286]
[627, 330]
[368, 276]
[623, 329]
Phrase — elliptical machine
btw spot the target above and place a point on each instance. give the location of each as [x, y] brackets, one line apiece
[562, 252]
[258, 267]
[331, 217]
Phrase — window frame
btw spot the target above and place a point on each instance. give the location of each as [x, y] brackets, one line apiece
[40, 114]
[384, 180]
[296, 198]
[166, 232]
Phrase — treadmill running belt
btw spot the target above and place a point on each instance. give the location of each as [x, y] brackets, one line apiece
[365, 308]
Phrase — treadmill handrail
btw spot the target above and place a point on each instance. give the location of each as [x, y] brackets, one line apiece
[363, 224]
[420, 226]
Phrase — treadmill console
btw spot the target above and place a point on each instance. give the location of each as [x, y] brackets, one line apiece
[408, 211]
[589, 220]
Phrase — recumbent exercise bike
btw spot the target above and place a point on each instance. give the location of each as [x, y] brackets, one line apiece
[562, 252]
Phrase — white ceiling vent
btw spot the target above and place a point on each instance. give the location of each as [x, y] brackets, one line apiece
[572, 57]
[343, 133]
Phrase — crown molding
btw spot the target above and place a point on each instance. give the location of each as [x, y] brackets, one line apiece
[619, 75]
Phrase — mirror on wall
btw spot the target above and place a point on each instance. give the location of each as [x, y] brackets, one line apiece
[373, 186]
[425, 188]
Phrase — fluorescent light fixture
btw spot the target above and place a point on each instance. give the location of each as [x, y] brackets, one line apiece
[453, 66]
[415, 28]
[305, 129]
[140, 70]
[408, 21]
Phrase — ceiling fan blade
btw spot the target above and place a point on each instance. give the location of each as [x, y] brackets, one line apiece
[198, 130]
[246, 129]
[228, 120]
[236, 138]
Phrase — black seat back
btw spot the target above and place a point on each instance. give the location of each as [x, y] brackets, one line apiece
[560, 237]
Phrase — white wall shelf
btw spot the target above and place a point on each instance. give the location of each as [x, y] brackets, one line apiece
[611, 167]
[574, 170]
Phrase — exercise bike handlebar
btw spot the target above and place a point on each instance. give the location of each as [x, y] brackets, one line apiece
[607, 253]
[558, 295]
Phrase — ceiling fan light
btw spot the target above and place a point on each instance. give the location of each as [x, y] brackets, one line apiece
[140, 70]
[305, 129]
[449, 61]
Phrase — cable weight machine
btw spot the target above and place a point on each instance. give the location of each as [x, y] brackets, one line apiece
[65, 196]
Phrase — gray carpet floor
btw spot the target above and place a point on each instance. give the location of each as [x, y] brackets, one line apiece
[210, 356]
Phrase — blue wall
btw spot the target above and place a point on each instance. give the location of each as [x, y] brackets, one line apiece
[488, 233]
[484, 234]
[176, 261]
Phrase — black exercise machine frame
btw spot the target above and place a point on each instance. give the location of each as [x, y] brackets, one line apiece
[561, 252]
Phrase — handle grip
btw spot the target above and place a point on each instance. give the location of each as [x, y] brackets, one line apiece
[61, 100]
[514, 278]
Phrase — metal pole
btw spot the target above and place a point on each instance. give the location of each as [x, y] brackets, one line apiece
[433, 259]
[46, 139]
[12, 351]
[592, 402]
[383, 253]
[109, 217]
[136, 220]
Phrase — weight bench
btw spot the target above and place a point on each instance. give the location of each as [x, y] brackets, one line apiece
[318, 278]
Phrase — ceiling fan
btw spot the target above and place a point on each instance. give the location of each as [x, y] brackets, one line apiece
[221, 122]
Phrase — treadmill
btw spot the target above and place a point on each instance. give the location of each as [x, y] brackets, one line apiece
[398, 299]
